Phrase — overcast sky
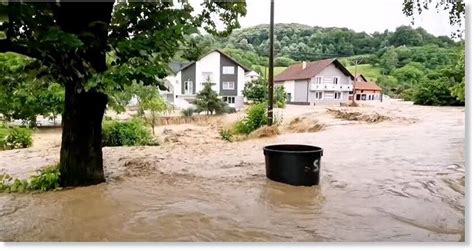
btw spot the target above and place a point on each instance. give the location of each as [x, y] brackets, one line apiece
[359, 15]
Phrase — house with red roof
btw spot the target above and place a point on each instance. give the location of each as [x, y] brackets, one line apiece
[366, 90]
[320, 82]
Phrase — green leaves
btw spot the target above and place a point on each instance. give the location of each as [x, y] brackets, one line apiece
[46, 180]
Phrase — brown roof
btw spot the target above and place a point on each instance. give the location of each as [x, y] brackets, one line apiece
[296, 72]
[367, 86]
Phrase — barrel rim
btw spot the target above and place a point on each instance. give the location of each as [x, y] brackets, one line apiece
[316, 149]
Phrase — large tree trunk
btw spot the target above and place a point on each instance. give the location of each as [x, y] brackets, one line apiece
[81, 148]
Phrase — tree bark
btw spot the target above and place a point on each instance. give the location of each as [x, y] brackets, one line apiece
[81, 149]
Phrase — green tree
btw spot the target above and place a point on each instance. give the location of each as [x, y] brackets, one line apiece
[207, 100]
[256, 90]
[389, 61]
[156, 106]
[435, 92]
[72, 48]
[22, 95]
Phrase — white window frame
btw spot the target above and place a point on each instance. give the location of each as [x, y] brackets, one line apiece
[228, 87]
[210, 74]
[321, 96]
[226, 70]
[188, 90]
[316, 80]
[229, 99]
[337, 80]
[337, 95]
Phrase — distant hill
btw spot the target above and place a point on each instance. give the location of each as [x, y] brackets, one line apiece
[302, 42]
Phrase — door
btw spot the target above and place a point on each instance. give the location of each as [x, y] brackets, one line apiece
[188, 87]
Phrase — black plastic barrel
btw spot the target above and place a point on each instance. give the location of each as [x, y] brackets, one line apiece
[297, 165]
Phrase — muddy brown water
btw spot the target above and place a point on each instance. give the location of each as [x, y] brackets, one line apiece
[384, 182]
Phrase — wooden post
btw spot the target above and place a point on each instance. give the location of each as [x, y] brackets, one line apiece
[270, 68]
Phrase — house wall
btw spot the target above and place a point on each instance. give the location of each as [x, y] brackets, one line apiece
[377, 95]
[177, 84]
[224, 61]
[209, 63]
[189, 74]
[301, 91]
[289, 88]
[241, 81]
[332, 71]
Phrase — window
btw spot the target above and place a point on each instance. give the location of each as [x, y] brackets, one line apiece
[370, 97]
[319, 95]
[337, 95]
[228, 86]
[318, 80]
[228, 70]
[188, 87]
[207, 77]
[364, 97]
[335, 80]
[229, 100]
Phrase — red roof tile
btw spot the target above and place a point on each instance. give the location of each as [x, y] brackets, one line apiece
[296, 72]
[367, 86]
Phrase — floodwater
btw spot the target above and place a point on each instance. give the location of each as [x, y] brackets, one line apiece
[379, 182]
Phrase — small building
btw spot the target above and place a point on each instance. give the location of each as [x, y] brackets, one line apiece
[320, 82]
[366, 91]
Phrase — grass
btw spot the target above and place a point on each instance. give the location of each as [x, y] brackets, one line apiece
[369, 71]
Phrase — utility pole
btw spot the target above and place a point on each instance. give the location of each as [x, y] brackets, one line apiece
[270, 68]
[356, 61]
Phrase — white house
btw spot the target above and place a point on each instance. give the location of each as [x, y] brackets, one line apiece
[228, 76]
[251, 76]
[320, 82]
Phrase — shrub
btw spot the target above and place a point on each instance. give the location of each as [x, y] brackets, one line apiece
[15, 138]
[225, 135]
[46, 180]
[188, 112]
[207, 100]
[228, 109]
[127, 133]
[255, 118]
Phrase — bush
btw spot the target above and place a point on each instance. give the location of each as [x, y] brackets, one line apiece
[255, 118]
[435, 92]
[225, 135]
[228, 109]
[188, 112]
[127, 133]
[15, 138]
[46, 180]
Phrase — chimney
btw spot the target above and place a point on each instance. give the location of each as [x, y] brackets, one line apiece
[304, 65]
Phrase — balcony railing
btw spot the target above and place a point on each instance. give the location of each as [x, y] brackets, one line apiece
[329, 87]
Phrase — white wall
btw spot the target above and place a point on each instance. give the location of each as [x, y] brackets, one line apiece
[177, 84]
[332, 71]
[289, 87]
[209, 63]
[241, 80]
